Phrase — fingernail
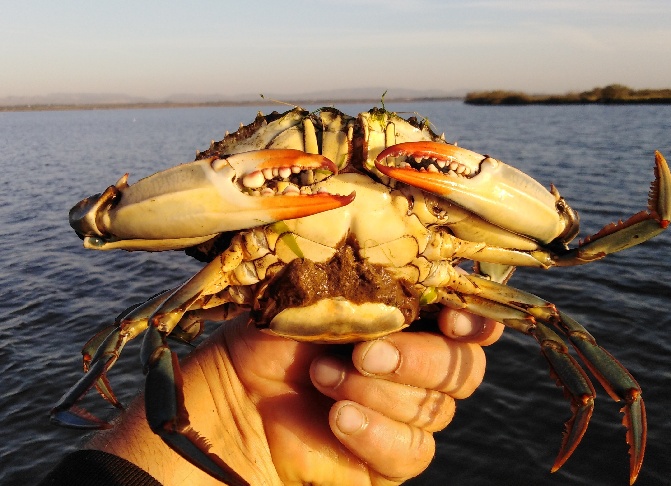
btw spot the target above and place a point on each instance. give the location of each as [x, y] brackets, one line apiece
[350, 419]
[465, 325]
[381, 358]
[328, 372]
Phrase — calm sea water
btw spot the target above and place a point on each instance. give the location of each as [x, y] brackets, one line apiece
[54, 294]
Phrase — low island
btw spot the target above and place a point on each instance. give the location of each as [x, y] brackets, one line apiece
[612, 94]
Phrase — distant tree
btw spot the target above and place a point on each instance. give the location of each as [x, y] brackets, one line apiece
[615, 92]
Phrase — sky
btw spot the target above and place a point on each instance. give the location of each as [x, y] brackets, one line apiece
[157, 48]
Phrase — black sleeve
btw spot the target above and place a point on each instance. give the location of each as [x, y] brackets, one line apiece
[97, 468]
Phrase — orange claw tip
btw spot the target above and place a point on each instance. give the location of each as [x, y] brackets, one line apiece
[291, 207]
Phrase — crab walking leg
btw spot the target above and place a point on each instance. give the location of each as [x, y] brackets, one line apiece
[614, 377]
[618, 385]
[570, 376]
[90, 350]
[100, 353]
[166, 414]
[563, 367]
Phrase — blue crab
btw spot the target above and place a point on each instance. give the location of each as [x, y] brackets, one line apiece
[318, 222]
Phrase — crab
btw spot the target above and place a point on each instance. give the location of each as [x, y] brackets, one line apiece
[332, 228]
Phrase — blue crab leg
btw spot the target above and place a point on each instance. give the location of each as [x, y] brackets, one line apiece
[563, 367]
[619, 384]
[100, 353]
[575, 382]
[90, 350]
[535, 316]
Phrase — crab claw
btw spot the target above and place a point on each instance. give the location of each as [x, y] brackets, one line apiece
[191, 203]
[497, 192]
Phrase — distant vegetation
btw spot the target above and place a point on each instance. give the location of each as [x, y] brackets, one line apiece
[613, 94]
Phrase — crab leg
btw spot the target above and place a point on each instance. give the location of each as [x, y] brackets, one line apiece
[532, 315]
[576, 384]
[166, 413]
[191, 203]
[100, 353]
[619, 384]
[637, 229]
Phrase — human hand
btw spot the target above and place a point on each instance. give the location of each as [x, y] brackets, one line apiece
[266, 405]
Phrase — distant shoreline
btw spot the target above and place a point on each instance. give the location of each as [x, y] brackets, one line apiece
[614, 94]
[210, 104]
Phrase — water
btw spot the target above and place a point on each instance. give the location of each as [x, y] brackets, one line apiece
[55, 294]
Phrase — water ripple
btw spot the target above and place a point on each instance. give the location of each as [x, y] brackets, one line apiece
[56, 294]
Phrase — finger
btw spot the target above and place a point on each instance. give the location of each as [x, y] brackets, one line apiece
[427, 409]
[395, 450]
[466, 327]
[424, 360]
